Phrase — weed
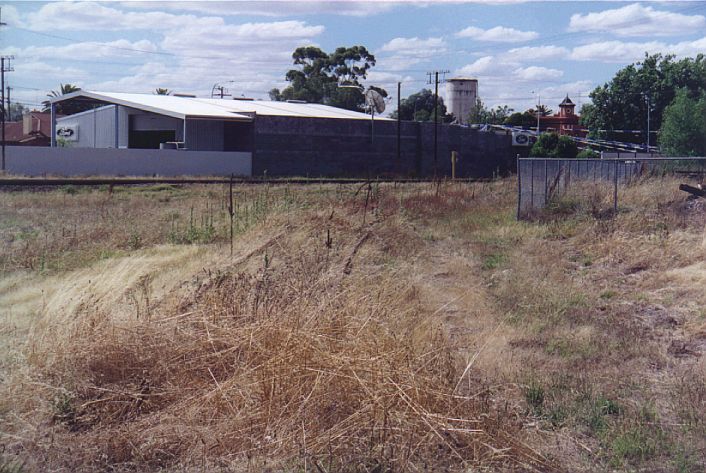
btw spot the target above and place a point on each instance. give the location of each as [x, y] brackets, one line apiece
[493, 261]
[534, 395]
[633, 445]
[69, 189]
[63, 408]
[135, 241]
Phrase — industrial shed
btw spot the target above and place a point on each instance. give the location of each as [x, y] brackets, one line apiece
[265, 138]
[117, 120]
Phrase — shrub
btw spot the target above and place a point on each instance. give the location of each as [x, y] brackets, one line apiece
[588, 153]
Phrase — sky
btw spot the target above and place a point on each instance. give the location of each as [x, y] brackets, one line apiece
[521, 52]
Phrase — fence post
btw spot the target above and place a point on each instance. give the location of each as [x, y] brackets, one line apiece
[545, 183]
[615, 187]
[532, 185]
[519, 187]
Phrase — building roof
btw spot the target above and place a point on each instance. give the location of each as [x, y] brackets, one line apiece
[193, 107]
[13, 131]
[39, 122]
[566, 101]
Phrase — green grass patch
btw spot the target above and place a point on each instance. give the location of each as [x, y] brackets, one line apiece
[493, 261]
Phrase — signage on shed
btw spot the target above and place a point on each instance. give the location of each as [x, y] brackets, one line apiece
[67, 132]
[520, 139]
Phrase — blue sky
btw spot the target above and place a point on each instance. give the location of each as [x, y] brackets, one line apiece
[518, 50]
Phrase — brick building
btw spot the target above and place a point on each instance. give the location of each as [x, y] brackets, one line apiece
[566, 122]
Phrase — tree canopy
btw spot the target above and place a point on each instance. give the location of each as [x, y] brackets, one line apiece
[419, 107]
[622, 103]
[683, 131]
[331, 79]
[15, 112]
[481, 114]
[525, 119]
[162, 91]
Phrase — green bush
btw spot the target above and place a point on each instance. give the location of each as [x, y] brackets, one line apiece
[551, 145]
[588, 153]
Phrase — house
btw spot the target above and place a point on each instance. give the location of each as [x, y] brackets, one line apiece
[33, 130]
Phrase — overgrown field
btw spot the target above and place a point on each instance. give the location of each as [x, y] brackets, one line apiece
[370, 328]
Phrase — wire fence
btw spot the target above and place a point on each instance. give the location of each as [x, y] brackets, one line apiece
[542, 182]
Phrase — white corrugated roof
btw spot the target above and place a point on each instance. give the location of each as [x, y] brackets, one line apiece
[183, 107]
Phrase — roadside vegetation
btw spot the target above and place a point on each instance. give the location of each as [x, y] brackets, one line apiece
[354, 328]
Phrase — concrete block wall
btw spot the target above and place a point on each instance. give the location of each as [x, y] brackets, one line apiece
[346, 148]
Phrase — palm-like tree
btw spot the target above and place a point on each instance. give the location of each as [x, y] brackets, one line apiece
[161, 91]
[544, 111]
[63, 108]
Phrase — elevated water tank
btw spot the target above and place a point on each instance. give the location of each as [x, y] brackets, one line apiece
[461, 95]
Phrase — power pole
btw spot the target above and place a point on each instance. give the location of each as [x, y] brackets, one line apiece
[399, 128]
[539, 101]
[647, 101]
[436, 113]
[9, 110]
[3, 110]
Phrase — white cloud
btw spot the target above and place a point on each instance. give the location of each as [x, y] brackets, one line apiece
[37, 68]
[246, 40]
[407, 52]
[415, 46]
[536, 53]
[272, 8]
[532, 73]
[11, 16]
[637, 20]
[499, 34]
[487, 66]
[85, 50]
[624, 52]
[96, 16]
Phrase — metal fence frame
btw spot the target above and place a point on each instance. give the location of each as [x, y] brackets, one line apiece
[535, 176]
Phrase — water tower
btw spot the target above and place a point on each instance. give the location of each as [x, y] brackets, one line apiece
[461, 95]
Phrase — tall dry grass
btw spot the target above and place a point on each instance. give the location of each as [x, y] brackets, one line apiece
[311, 352]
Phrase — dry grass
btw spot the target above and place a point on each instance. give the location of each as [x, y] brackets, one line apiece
[380, 328]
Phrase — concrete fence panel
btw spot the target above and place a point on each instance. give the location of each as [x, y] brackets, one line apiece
[38, 161]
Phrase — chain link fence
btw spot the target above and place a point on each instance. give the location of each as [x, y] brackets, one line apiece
[543, 182]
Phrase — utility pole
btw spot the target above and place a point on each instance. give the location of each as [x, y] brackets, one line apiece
[399, 128]
[9, 110]
[539, 101]
[649, 107]
[436, 113]
[3, 110]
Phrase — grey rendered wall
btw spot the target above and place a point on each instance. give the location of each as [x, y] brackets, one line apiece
[36, 161]
[315, 147]
[97, 127]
